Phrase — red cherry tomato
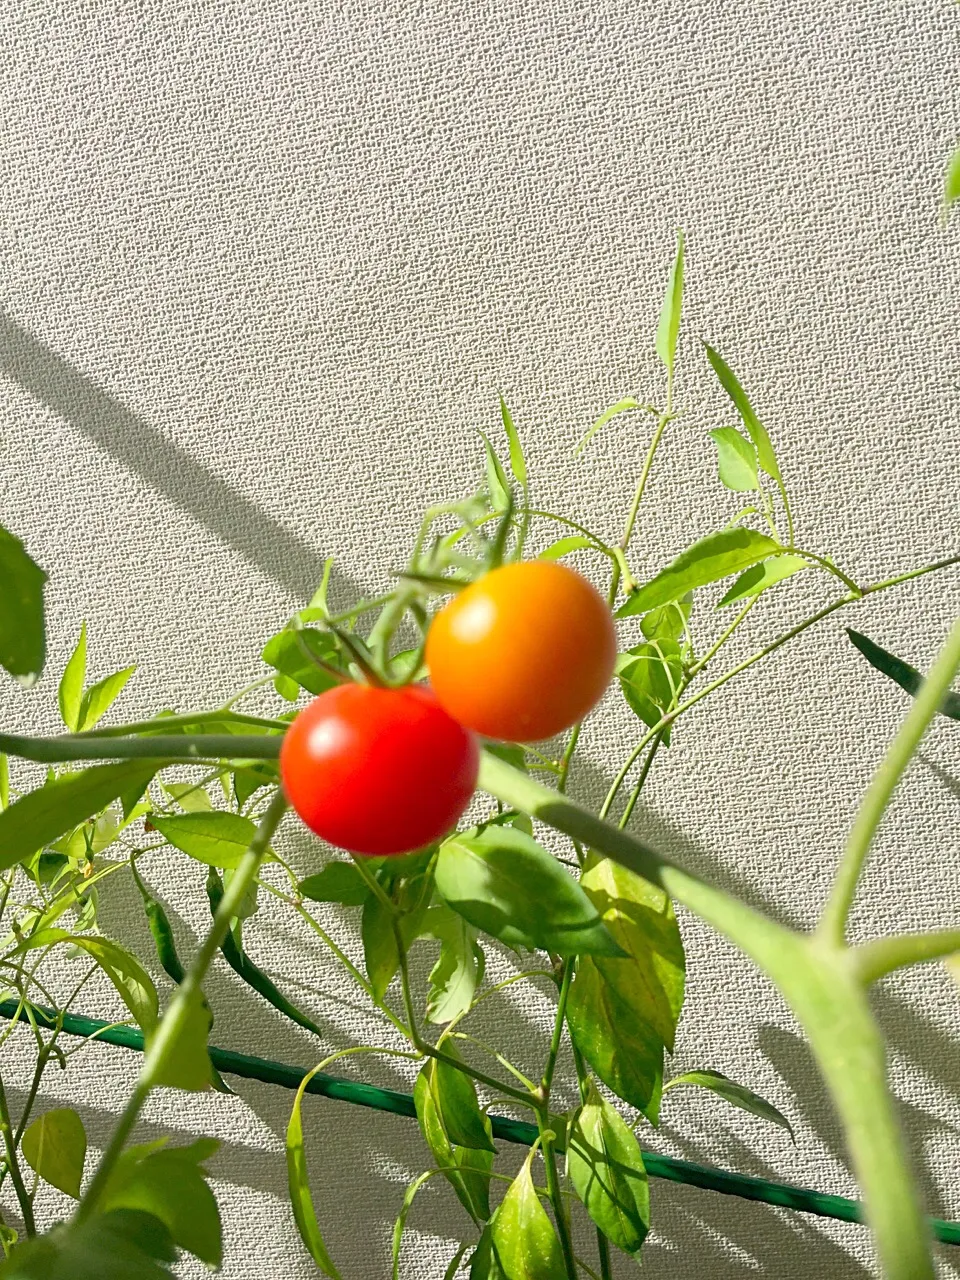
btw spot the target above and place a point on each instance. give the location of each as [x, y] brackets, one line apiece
[378, 771]
[522, 653]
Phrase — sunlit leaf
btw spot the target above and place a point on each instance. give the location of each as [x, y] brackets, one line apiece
[668, 328]
[300, 1199]
[716, 556]
[650, 677]
[622, 406]
[464, 1167]
[134, 985]
[951, 184]
[763, 575]
[484, 1265]
[459, 969]
[217, 839]
[170, 1184]
[188, 1064]
[189, 796]
[518, 464]
[737, 459]
[755, 428]
[22, 635]
[44, 815]
[606, 1168]
[101, 696]
[908, 678]
[70, 692]
[668, 621]
[522, 1235]
[55, 1146]
[498, 485]
[563, 547]
[289, 653]
[504, 883]
[737, 1095]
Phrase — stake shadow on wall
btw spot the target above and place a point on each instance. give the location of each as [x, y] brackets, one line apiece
[263, 542]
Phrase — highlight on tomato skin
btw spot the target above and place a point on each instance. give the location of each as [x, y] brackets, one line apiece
[522, 653]
[378, 771]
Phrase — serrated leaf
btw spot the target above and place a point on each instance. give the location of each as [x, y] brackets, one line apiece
[503, 882]
[70, 691]
[55, 1147]
[761, 576]
[337, 882]
[951, 183]
[464, 1167]
[169, 1184]
[668, 328]
[606, 1167]
[44, 815]
[100, 697]
[216, 839]
[563, 547]
[285, 653]
[622, 406]
[716, 556]
[522, 1235]
[755, 428]
[737, 1095]
[518, 464]
[23, 643]
[459, 969]
[737, 460]
[908, 678]
[301, 1201]
[134, 985]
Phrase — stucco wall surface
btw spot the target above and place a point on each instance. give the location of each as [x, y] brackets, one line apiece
[264, 269]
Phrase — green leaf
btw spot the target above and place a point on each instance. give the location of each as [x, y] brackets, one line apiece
[639, 915]
[337, 882]
[498, 485]
[606, 1167]
[121, 1245]
[70, 692]
[737, 1095]
[668, 329]
[522, 1235]
[455, 1097]
[761, 576]
[737, 459]
[170, 1184]
[563, 547]
[459, 969]
[908, 678]
[650, 680]
[623, 1049]
[44, 815]
[951, 184]
[55, 1146]
[755, 428]
[518, 464]
[484, 1265]
[379, 946]
[188, 1066]
[250, 778]
[285, 652]
[464, 1167]
[134, 985]
[511, 753]
[217, 839]
[22, 636]
[504, 883]
[189, 796]
[668, 621]
[101, 696]
[716, 556]
[622, 406]
[300, 1198]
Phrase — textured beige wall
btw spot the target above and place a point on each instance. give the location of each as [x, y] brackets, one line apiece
[263, 267]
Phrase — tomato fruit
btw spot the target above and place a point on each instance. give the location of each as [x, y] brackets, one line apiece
[522, 653]
[378, 771]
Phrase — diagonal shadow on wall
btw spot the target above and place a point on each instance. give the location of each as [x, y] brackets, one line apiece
[166, 467]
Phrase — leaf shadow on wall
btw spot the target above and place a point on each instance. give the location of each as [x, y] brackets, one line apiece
[262, 541]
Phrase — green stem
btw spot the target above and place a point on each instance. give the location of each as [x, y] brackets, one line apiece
[171, 1026]
[824, 563]
[13, 1164]
[875, 959]
[184, 721]
[547, 1147]
[925, 706]
[644, 773]
[199, 749]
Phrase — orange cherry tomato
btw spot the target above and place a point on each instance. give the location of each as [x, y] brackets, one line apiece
[523, 653]
[378, 771]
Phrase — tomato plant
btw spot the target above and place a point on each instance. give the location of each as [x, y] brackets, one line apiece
[378, 771]
[519, 648]
[523, 653]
